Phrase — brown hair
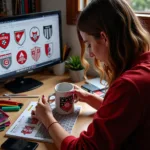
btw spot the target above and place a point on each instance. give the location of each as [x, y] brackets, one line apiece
[127, 38]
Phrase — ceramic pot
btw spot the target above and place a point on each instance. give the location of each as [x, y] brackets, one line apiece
[76, 75]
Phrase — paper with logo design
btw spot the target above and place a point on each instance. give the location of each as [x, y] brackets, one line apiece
[30, 128]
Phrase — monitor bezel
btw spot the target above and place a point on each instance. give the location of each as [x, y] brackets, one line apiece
[30, 16]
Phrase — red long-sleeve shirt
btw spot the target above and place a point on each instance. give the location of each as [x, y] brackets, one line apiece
[123, 120]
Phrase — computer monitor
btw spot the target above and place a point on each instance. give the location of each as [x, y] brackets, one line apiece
[29, 43]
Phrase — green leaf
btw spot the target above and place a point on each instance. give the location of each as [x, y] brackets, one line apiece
[74, 63]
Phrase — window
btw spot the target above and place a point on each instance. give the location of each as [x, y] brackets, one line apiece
[137, 5]
[141, 7]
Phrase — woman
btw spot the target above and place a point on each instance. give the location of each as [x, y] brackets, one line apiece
[122, 121]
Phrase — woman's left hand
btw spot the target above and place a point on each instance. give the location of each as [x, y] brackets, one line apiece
[43, 112]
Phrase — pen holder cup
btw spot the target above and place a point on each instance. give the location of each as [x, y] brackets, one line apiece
[59, 69]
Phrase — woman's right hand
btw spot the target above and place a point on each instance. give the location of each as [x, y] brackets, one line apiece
[81, 95]
[43, 112]
[84, 96]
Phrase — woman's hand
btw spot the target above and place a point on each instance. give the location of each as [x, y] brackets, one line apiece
[81, 95]
[43, 112]
[91, 99]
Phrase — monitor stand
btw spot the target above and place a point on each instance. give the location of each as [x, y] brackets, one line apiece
[21, 84]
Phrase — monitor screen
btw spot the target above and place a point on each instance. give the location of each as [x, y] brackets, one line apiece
[29, 42]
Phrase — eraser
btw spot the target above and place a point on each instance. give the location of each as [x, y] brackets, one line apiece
[99, 93]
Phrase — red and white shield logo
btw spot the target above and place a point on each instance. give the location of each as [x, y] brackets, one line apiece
[27, 130]
[48, 49]
[21, 57]
[4, 40]
[20, 37]
[36, 53]
[34, 34]
[6, 60]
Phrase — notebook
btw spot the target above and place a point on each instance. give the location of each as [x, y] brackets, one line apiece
[97, 83]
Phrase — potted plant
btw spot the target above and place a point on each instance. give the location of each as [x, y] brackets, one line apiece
[75, 67]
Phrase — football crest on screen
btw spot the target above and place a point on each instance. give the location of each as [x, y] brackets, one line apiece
[48, 49]
[21, 57]
[4, 40]
[47, 31]
[34, 34]
[6, 60]
[20, 37]
[66, 103]
[36, 53]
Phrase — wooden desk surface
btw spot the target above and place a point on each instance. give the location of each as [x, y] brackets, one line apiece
[50, 81]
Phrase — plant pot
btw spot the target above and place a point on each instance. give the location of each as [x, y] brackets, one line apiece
[76, 75]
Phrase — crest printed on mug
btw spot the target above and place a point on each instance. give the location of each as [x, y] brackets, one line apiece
[47, 31]
[34, 34]
[4, 40]
[36, 53]
[6, 60]
[66, 103]
[20, 37]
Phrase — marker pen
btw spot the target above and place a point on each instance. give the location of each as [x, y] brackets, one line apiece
[1, 104]
[8, 102]
[11, 108]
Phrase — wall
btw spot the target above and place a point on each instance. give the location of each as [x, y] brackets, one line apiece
[69, 32]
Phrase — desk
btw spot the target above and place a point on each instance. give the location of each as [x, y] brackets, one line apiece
[49, 80]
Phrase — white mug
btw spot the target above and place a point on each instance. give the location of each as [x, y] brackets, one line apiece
[64, 98]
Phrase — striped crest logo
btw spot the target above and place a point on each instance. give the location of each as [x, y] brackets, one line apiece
[47, 31]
